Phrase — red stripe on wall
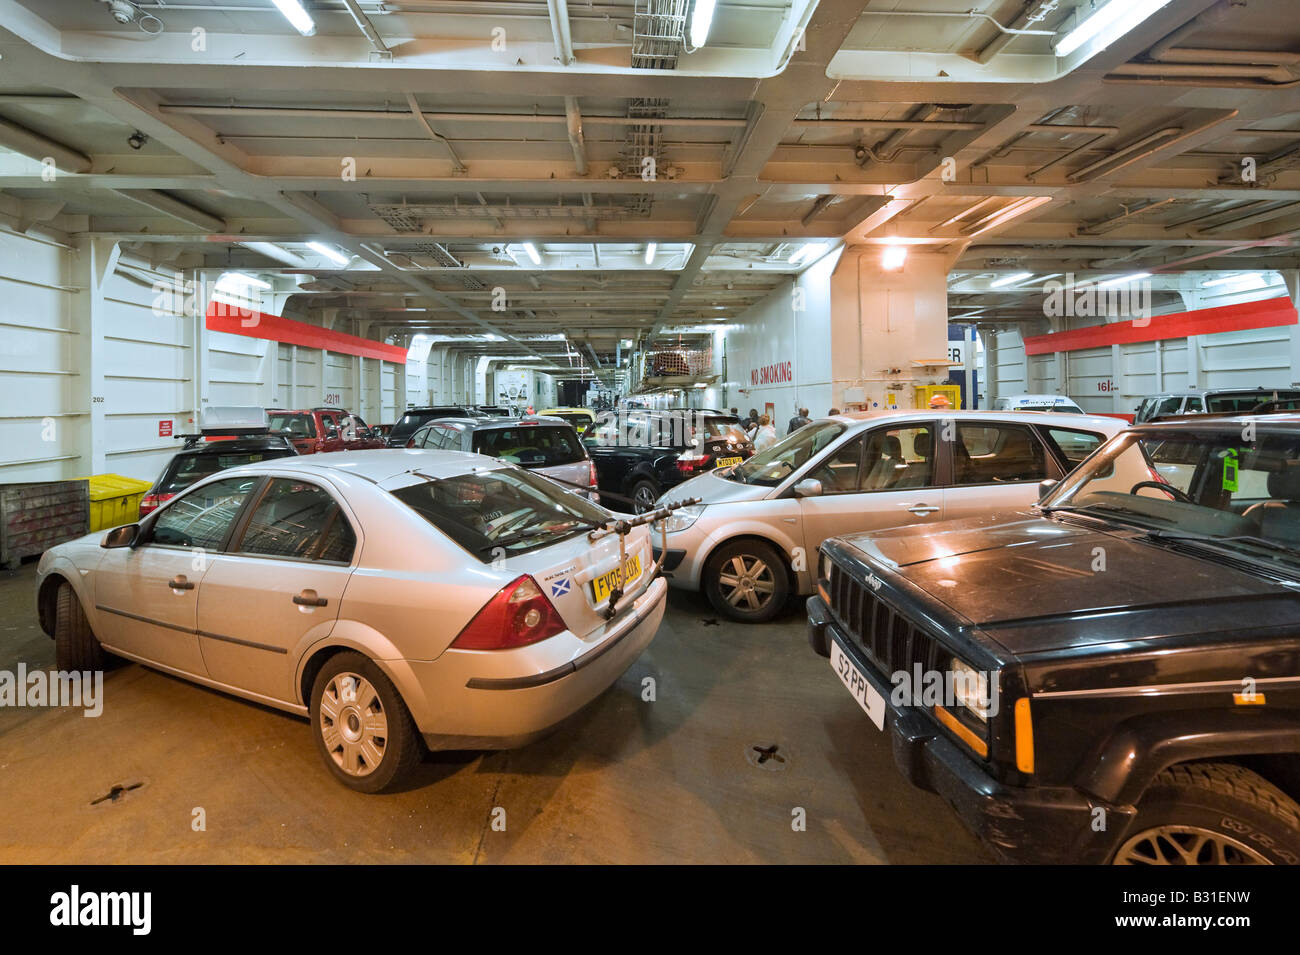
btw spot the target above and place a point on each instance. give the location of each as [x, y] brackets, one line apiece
[1268, 313]
[252, 324]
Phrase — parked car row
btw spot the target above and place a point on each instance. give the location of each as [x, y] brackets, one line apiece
[1084, 637]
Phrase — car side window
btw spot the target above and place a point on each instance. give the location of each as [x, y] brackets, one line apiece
[841, 473]
[997, 454]
[1073, 445]
[1194, 405]
[898, 458]
[298, 520]
[202, 517]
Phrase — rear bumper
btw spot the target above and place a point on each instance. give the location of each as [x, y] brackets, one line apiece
[505, 699]
[1039, 824]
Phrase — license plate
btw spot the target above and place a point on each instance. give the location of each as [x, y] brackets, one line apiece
[727, 462]
[872, 703]
[602, 586]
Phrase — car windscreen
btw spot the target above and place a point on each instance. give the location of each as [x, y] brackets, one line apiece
[295, 425]
[495, 514]
[531, 445]
[770, 467]
[191, 466]
[1214, 489]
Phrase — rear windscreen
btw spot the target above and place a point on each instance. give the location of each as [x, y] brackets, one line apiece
[186, 469]
[531, 446]
[495, 514]
[295, 425]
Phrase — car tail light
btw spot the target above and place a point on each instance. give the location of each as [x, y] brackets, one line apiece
[591, 474]
[151, 502]
[517, 616]
[692, 464]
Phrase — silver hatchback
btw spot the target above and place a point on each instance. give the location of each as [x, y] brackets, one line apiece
[747, 544]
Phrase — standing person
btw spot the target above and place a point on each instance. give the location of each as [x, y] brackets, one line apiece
[750, 422]
[833, 411]
[798, 421]
[765, 436]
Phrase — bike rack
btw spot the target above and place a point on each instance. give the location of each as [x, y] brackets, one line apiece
[622, 527]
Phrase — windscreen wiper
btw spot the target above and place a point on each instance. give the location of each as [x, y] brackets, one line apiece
[1210, 539]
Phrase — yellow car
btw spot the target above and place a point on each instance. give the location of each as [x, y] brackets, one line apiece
[580, 418]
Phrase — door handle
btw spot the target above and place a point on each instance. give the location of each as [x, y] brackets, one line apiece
[923, 508]
[180, 582]
[308, 598]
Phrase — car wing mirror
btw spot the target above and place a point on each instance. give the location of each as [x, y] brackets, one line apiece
[808, 487]
[124, 536]
[1045, 487]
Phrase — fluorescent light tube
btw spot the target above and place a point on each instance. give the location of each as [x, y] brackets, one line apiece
[1011, 279]
[532, 253]
[650, 253]
[333, 255]
[1108, 24]
[296, 15]
[701, 20]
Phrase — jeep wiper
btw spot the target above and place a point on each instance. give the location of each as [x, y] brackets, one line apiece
[1263, 542]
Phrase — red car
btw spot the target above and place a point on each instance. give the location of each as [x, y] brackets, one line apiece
[317, 430]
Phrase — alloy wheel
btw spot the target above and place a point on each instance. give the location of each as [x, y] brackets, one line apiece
[746, 582]
[1186, 845]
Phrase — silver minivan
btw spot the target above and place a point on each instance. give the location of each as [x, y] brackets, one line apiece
[752, 540]
[547, 445]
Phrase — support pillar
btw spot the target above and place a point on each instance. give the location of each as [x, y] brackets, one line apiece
[94, 262]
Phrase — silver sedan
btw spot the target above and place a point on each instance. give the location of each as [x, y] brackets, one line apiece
[399, 599]
[747, 543]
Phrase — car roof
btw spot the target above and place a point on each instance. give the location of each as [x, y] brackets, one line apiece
[1038, 396]
[1064, 419]
[1231, 423]
[481, 424]
[378, 465]
[264, 442]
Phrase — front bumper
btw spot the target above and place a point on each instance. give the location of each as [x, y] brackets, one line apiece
[507, 698]
[1029, 824]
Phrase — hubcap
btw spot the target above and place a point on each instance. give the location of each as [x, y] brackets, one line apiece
[1186, 845]
[353, 724]
[747, 582]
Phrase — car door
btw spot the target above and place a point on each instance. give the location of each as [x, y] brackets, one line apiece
[996, 466]
[278, 587]
[880, 479]
[147, 595]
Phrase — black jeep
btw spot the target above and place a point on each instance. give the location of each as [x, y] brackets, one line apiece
[1114, 677]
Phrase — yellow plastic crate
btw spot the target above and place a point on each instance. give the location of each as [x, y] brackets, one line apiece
[115, 500]
[925, 392]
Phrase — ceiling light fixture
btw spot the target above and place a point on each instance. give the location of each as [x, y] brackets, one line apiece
[650, 253]
[701, 20]
[333, 255]
[1124, 279]
[293, 12]
[241, 278]
[1232, 279]
[1011, 279]
[532, 253]
[809, 252]
[1108, 24]
[893, 258]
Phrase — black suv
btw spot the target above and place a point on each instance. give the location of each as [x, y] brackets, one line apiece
[203, 455]
[411, 421]
[1113, 677]
[639, 454]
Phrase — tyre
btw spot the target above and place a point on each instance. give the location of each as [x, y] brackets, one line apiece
[1212, 814]
[75, 646]
[362, 728]
[644, 493]
[747, 581]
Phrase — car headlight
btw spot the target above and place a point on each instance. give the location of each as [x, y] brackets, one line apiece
[679, 519]
[971, 690]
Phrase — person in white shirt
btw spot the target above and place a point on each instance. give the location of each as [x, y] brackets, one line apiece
[765, 436]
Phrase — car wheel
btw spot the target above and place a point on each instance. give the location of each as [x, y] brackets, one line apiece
[644, 494]
[363, 729]
[1213, 814]
[747, 581]
[75, 646]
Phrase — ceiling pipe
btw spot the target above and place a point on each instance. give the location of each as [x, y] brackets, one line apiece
[1273, 75]
[887, 150]
[368, 29]
[1034, 12]
[35, 146]
[574, 125]
[1266, 215]
[415, 111]
[1209, 17]
[558, 11]
[308, 112]
[1144, 147]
